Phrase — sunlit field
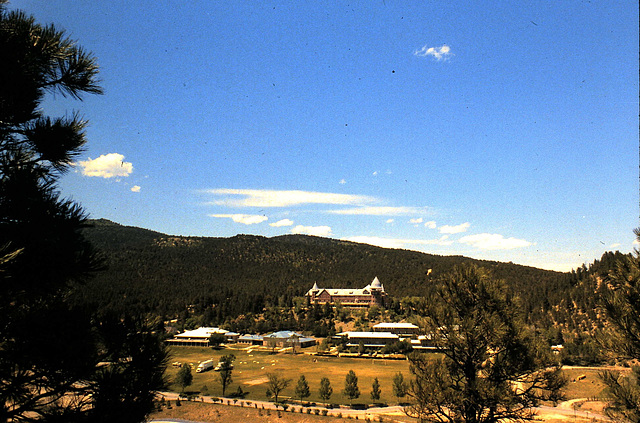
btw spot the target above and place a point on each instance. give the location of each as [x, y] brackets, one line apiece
[251, 367]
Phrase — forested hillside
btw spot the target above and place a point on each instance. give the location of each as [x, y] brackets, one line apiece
[164, 274]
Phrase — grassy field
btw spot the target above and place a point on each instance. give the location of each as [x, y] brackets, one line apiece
[252, 366]
[583, 383]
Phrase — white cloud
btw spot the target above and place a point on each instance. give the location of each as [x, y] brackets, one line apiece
[439, 53]
[389, 220]
[135, 188]
[280, 223]
[275, 198]
[493, 242]
[247, 219]
[381, 211]
[415, 221]
[447, 229]
[616, 245]
[396, 242]
[311, 230]
[110, 165]
[343, 181]
[430, 224]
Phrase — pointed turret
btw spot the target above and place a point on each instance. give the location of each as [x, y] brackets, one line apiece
[376, 284]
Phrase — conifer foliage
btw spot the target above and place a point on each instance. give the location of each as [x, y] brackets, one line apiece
[57, 362]
[493, 367]
[621, 304]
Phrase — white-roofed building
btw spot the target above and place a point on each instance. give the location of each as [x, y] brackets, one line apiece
[200, 337]
[402, 329]
[369, 339]
[372, 294]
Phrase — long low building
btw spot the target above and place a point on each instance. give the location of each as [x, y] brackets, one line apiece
[402, 329]
[369, 339]
[200, 337]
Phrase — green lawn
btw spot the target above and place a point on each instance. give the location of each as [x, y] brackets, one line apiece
[251, 369]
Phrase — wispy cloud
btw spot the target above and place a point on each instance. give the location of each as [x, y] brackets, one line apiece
[281, 223]
[247, 219]
[311, 230]
[430, 224]
[382, 211]
[493, 242]
[447, 229]
[397, 242]
[110, 165]
[276, 198]
[439, 53]
[415, 221]
[135, 188]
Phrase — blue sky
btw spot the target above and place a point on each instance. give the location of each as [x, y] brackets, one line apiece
[496, 130]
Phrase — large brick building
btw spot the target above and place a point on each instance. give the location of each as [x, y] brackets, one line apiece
[372, 294]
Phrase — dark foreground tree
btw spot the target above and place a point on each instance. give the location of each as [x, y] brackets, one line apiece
[621, 304]
[226, 368]
[493, 367]
[275, 385]
[57, 362]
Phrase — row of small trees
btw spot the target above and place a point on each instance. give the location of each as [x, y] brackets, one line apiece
[276, 384]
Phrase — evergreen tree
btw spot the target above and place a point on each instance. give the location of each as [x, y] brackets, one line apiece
[216, 339]
[399, 386]
[493, 367]
[621, 303]
[52, 354]
[226, 368]
[351, 389]
[375, 390]
[326, 390]
[302, 389]
[184, 377]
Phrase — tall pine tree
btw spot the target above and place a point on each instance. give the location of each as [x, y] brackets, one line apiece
[50, 352]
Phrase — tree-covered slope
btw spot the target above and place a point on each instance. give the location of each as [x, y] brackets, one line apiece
[166, 274]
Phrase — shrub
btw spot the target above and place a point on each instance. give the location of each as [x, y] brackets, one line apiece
[323, 412]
